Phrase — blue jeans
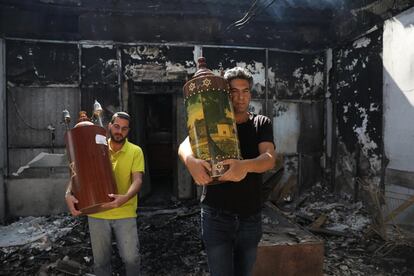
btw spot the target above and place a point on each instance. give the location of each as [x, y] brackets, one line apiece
[126, 236]
[230, 240]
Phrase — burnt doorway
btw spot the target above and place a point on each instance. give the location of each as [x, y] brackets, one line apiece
[152, 108]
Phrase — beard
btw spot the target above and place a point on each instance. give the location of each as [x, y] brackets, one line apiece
[117, 138]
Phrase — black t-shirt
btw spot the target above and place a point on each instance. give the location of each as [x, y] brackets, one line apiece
[243, 197]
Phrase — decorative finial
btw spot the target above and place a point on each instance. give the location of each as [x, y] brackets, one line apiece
[202, 63]
[97, 112]
[202, 68]
[66, 118]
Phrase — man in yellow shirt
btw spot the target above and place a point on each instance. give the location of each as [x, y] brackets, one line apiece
[128, 166]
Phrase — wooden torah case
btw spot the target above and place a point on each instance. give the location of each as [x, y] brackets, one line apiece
[91, 168]
[210, 119]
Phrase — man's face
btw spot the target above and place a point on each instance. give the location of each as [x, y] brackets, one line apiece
[240, 95]
[119, 130]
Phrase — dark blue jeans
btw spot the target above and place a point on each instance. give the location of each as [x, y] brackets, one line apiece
[230, 240]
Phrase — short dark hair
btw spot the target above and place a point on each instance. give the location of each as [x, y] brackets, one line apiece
[122, 115]
[239, 73]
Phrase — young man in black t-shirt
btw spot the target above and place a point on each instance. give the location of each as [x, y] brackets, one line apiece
[230, 214]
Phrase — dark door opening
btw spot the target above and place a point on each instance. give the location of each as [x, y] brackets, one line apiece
[159, 143]
[153, 132]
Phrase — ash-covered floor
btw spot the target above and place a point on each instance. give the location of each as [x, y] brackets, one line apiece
[171, 245]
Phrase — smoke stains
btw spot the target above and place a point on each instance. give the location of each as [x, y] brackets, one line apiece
[287, 80]
[221, 59]
[99, 65]
[279, 108]
[31, 63]
[158, 63]
[357, 72]
[144, 53]
[143, 72]
[257, 69]
[362, 42]
[256, 106]
[279, 8]
[179, 71]
[308, 84]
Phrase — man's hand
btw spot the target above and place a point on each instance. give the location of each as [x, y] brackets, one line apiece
[118, 201]
[70, 202]
[199, 170]
[236, 172]
[239, 168]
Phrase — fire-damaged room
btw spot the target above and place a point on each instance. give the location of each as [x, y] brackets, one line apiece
[334, 79]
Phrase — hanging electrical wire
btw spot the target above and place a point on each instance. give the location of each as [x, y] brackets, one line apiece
[252, 7]
[254, 10]
[19, 114]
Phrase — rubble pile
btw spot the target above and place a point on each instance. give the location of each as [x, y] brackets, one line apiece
[351, 247]
[170, 240]
[171, 245]
[60, 245]
[56, 245]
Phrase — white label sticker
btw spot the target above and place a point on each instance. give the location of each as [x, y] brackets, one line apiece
[100, 139]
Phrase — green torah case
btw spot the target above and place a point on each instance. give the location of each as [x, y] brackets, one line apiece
[210, 119]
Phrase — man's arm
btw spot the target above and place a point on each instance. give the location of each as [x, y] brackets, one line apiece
[239, 168]
[71, 200]
[198, 168]
[120, 200]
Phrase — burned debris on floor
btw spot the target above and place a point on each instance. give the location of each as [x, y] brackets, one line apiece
[286, 248]
[56, 245]
[171, 244]
[170, 240]
[60, 245]
[352, 247]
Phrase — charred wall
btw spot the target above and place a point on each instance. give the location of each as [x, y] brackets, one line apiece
[296, 87]
[356, 89]
[43, 78]
[149, 63]
[221, 59]
[99, 79]
[3, 135]
[152, 81]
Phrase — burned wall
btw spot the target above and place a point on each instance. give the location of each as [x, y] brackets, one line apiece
[296, 88]
[221, 59]
[3, 106]
[45, 78]
[99, 79]
[296, 76]
[42, 80]
[41, 64]
[3, 135]
[149, 63]
[153, 77]
[356, 89]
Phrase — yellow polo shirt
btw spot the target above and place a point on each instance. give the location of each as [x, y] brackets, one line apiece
[127, 160]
